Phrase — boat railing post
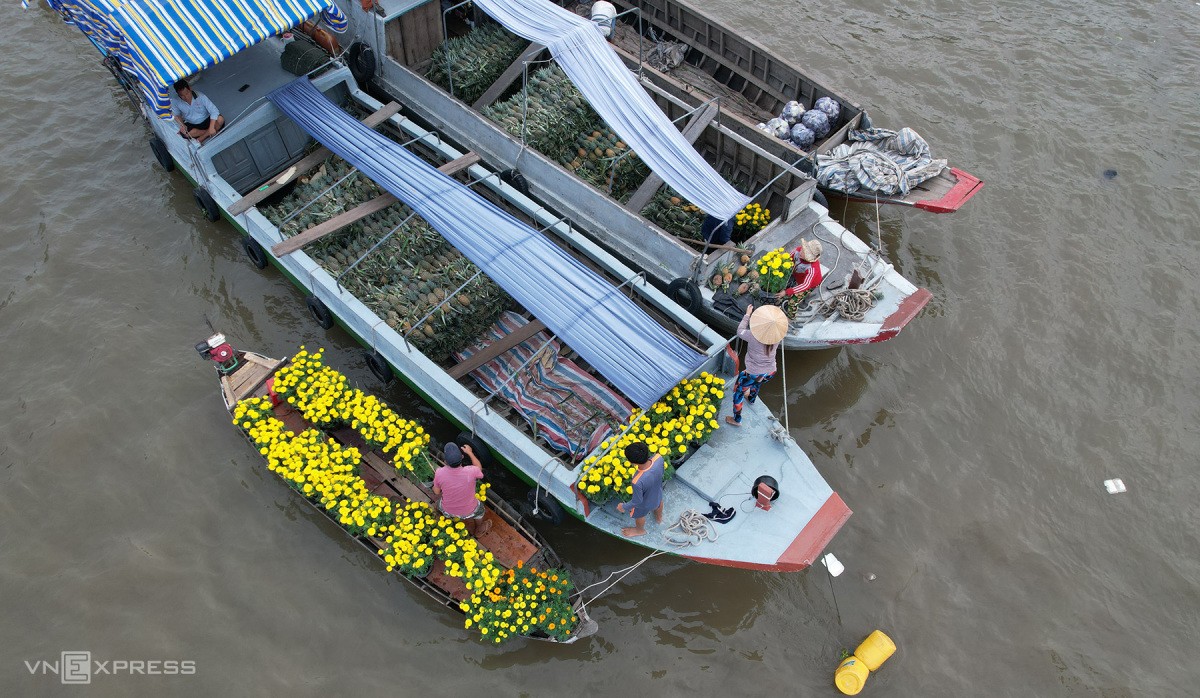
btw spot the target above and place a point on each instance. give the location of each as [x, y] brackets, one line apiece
[446, 37]
[374, 247]
[449, 296]
[641, 53]
[302, 209]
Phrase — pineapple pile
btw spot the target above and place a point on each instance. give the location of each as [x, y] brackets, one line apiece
[674, 214]
[475, 60]
[561, 125]
[409, 275]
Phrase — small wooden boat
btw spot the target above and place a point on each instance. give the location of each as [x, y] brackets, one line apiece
[511, 542]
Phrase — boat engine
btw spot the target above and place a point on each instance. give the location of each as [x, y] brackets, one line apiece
[217, 350]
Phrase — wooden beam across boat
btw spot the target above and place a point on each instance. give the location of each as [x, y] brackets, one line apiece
[359, 212]
[695, 126]
[506, 78]
[495, 349]
[309, 162]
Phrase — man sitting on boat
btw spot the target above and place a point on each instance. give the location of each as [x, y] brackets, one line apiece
[455, 487]
[196, 114]
[807, 272]
[647, 488]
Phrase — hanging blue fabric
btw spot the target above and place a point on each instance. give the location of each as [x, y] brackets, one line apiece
[619, 339]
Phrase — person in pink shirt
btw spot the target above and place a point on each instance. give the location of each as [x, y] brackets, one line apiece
[807, 273]
[454, 485]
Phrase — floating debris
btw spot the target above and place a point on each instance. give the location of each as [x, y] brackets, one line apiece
[1114, 486]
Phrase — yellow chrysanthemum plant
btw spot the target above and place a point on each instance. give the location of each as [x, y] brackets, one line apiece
[523, 601]
[775, 270]
[750, 220]
[682, 421]
[324, 397]
[413, 536]
[317, 467]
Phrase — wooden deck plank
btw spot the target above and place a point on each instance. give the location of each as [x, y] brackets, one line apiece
[695, 126]
[495, 349]
[309, 162]
[506, 78]
[359, 212]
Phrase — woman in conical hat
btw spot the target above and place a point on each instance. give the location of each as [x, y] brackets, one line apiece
[763, 329]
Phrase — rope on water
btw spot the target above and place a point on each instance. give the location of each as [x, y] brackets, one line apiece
[694, 528]
[850, 303]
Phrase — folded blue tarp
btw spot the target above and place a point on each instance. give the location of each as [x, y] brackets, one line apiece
[624, 344]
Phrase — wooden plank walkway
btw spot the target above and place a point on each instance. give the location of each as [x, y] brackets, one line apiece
[695, 126]
[495, 349]
[506, 78]
[309, 162]
[359, 212]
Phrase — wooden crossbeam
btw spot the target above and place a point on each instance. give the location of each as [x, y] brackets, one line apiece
[506, 78]
[695, 126]
[360, 211]
[495, 349]
[309, 162]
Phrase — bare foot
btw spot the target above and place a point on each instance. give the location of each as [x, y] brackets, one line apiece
[732, 422]
[630, 532]
[658, 516]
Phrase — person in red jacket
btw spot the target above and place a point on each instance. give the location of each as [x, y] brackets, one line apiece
[807, 273]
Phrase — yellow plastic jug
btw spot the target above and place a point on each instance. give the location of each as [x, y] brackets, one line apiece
[851, 675]
[875, 650]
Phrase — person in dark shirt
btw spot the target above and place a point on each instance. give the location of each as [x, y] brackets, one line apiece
[647, 488]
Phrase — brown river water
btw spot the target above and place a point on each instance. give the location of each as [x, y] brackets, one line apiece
[1060, 350]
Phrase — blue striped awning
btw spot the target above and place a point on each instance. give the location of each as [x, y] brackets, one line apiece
[161, 41]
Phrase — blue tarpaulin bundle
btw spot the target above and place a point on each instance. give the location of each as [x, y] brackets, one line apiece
[619, 339]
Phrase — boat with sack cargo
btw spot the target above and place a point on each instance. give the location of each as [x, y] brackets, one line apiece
[549, 352]
[647, 166]
[369, 471]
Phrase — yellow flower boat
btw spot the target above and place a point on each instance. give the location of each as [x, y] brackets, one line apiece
[361, 465]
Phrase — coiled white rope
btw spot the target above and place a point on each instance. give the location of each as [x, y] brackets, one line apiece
[694, 528]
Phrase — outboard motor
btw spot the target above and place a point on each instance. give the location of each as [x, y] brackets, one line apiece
[217, 350]
[603, 16]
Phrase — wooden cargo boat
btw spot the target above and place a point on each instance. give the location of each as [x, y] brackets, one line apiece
[507, 542]
[426, 313]
[605, 190]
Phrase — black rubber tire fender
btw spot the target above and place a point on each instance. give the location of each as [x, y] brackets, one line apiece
[379, 366]
[207, 204]
[361, 59]
[516, 180]
[162, 154]
[686, 293]
[320, 312]
[477, 446]
[819, 197]
[255, 252]
[548, 508]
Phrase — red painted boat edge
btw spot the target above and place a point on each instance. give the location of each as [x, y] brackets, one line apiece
[962, 191]
[892, 324]
[804, 550]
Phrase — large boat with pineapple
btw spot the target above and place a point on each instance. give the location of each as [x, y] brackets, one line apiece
[542, 346]
[577, 123]
[368, 470]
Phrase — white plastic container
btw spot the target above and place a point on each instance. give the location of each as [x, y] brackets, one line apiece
[603, 16]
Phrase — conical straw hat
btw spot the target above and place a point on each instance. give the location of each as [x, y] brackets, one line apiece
[769, 324]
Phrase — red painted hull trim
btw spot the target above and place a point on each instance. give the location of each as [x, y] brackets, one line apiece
[807, 546]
